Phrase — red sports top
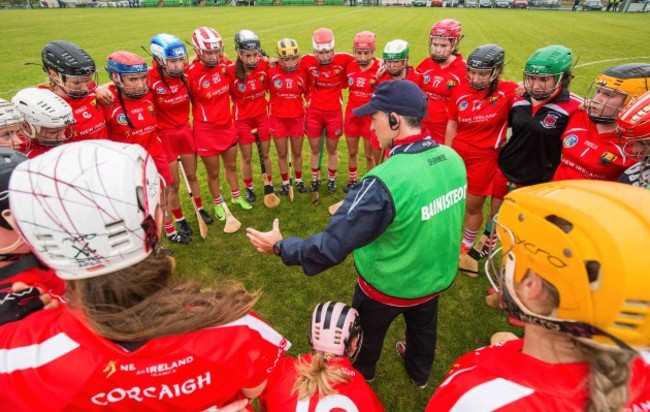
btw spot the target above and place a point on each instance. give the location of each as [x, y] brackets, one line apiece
[326, 80]
[52, 360]
[411, 75]
[287, 91]
[438, 83]
[502, 378]
[586, 154]
[248, 96]
[356, 395]
[44, 278]
[482, 121]
[210, 88]
[171, 100]
[143, 118]
[89, 118]
[361, 83]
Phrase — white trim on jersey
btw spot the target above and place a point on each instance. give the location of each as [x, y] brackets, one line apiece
[267, 332]
[34, 356]
[491, 395]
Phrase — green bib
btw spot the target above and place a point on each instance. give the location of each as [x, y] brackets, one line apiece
[418, 253]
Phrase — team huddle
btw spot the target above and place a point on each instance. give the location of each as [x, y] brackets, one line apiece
[93, 319]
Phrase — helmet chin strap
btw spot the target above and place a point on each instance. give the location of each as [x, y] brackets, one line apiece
[5, 251]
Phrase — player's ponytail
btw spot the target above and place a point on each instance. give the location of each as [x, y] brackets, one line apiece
[318, 375]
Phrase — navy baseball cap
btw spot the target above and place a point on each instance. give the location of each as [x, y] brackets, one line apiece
[396, 96]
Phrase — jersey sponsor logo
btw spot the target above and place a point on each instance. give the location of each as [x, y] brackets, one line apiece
[160, 392]
[160, 90]
[443, 202]
[277, 84]
[494, 100]
[570, 141]
[159, 369]
[121, 119]
[462, 106]
[607, 157]
[87, 115]
[93, 102]
[550, 120]
[241, 87]
[451, 84]
[150, 109]
[110, 368]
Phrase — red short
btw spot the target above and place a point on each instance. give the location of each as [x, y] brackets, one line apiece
[287, 127]
[436, 130]
[163, 168]
[358, 126]
[483, 175]
[211, 140]
[316, 120]
[245, 127]
[177, 141]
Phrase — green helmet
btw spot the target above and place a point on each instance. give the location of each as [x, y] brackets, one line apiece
[550, 60]
[396, 50]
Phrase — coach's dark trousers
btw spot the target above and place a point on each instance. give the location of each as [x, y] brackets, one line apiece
[421, 333]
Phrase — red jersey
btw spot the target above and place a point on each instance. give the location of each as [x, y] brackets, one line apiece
[38, 276]
[355, 395]
[482, 121]
[171, 100]
[505, 379]
[90, 122]
[249, 96]
[587, 154]
[287, 91]
[326, 81]
[142, 115]
[53, 359]
[411, 75]
[210, 89]
[34, 149]
[438, 83]
[361, 83]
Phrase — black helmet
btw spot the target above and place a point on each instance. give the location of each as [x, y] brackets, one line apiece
[67, 59]
[9, 159]
[247, 40]
[486, 57]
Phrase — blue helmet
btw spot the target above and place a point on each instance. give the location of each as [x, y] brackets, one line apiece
[164, 46]
[123, 62]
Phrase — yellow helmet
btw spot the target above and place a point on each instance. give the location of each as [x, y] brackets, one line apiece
[287, 48]
[589, 240]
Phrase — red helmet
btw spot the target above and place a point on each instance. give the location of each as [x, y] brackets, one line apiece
[323, 40]
[334, 327]
[207, 39]
[448, 29]
[366, 40]
[634, 123]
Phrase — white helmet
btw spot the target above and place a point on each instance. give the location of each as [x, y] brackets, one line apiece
[9, 116]
[42, 108]
[334, 325]
[87, 208]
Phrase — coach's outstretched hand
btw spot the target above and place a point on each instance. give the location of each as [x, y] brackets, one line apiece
[18, 300]
[264, 242]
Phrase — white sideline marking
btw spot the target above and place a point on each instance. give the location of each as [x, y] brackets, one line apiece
[577, 66]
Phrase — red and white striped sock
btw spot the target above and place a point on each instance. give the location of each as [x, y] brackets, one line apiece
[235, 194]
[468, 237]
[218, 200]
[353, 174]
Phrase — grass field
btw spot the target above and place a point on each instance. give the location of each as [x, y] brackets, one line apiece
[598, 40]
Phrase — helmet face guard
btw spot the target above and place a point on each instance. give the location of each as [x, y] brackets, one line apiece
[70, 68]
[604, 103]
[633, 128]
[129, 73]
[441, 48]
[75, 87]
[481, 79]
[542, 86]
[363, 47]
[47, 115]
[208, 45]
[323, 44]
[166, 48]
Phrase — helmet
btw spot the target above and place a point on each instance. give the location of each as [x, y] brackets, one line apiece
[366, 40]
[247, 40]
[548, 61]
[633, 126]
[123, 62]
[9, 159]
[164, 46]
[489, 57]
[562, 231]
[627, 80]
[289, 54]
[334, 327]
[396, 50]
[323, 40]
[9, 116]
[87, 209]
[68, 60]
[207, 39]
[43, 108]
[446, 28]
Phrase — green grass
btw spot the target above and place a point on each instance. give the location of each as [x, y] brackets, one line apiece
[288, 295]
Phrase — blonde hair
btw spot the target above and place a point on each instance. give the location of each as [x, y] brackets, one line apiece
[140, 302]
[318, 375]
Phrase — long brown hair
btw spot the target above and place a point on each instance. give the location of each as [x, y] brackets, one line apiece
[141, 302]
[317, 375]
